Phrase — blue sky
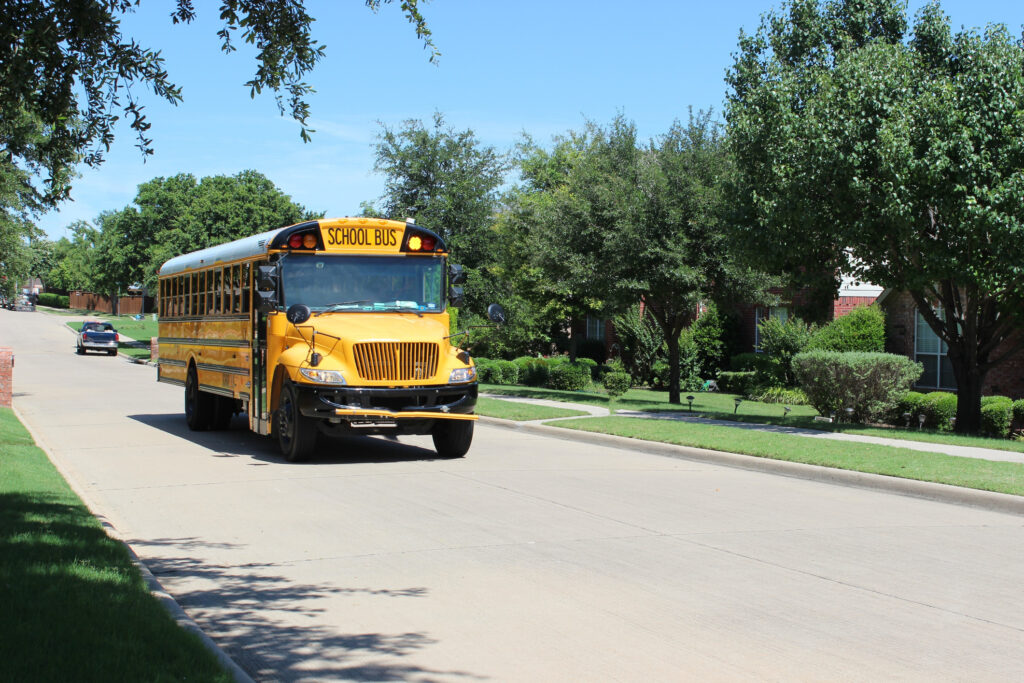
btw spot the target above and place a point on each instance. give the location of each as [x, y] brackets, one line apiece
[543, 67]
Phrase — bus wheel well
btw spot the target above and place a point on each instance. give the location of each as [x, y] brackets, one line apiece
[280, 376]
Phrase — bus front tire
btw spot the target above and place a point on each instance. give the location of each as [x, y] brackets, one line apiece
[452, 438]
[198, 404]
[296, 433]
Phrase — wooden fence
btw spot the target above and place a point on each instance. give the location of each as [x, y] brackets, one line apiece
[126, 305]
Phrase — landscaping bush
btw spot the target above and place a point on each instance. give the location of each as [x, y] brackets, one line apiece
[533, 372]
[569, 376]
[707, 334]
[639, 343]
[870, 383]
[505, 372]
[793, 397]
[996, 415]
[484, 370]
[1018, 413]
[783, 340]
[862, 329]
[617, 383]
[939, 408]
[736, 382]
[769, 369]
[54, 300]
[909, 402]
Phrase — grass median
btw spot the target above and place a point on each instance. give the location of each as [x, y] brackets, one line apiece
[987, 475]
[75, 607]
[520, 412]
[723, 407]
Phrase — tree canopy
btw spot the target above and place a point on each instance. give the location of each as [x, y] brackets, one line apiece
[894, 154]
[68, 73]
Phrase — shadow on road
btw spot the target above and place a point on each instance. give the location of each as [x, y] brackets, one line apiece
[258, 617]
[238, 441]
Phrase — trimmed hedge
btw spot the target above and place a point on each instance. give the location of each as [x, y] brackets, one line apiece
[1018, 413]
[939, 409]
[996, 415]
[496, 371]
[870, 383]
[862, 329]
[54, 300]
[533, 372]
[617, 383]
[570, 376]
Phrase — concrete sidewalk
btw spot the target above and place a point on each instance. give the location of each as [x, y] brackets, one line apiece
[946, 449]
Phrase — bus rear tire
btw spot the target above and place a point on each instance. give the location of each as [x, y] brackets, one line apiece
[452, 438]
[296, 433]
[198, 404]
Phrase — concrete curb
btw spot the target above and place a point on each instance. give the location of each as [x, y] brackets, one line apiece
[156, 590]
[945, 493]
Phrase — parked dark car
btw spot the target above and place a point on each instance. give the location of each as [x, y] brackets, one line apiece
[24, 303]
[97, 336]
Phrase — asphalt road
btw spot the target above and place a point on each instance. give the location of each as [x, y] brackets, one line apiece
[533, 558]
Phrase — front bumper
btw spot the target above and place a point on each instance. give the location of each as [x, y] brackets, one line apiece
[450, 401]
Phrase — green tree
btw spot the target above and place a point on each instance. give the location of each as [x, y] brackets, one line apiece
[658, 223]
[445, 179]
[894, 155]
[67, 74]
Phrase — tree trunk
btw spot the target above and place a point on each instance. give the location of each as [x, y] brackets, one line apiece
[673, 368]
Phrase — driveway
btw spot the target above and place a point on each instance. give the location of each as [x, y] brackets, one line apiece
[533, 558]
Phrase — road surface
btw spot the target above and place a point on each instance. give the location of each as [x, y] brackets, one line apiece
[533, 558]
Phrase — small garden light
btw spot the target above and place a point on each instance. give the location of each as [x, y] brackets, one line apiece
[920, 421]
[849, 414]
[689, 399]
[906, 417]
[738, 402]
[952, 423]
[832, 416]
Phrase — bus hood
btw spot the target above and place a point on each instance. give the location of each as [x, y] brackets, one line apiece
[377, 327]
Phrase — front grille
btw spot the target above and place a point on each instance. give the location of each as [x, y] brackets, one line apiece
[395, 361]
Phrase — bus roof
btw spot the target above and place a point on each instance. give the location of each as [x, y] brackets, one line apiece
[276, 240]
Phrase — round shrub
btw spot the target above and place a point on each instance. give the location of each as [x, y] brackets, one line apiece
[1018, 413]
[505, 372]
[533, 372]
[617, 383]
[862, 329]
[569, 377]
[870, 383]
[939, 409]
[908, 402]
[485, 370]
[996, 415]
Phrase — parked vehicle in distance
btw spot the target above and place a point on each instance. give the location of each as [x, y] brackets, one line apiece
[24, 304]
[97, 336]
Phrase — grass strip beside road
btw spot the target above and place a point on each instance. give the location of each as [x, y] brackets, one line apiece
[75, 606]
[986, 475]
[512, 410]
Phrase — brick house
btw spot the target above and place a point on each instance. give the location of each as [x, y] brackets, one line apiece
[909, 335]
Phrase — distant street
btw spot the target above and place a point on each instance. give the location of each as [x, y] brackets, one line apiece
[532, 559]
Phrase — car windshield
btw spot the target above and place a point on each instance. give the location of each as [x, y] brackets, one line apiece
[363, 283]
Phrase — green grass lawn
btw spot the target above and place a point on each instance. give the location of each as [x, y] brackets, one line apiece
[986, 475]
[509, 410]
[723, 407]
[75, 608]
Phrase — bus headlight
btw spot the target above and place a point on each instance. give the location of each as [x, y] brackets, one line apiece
[462, 375]
[323, 376]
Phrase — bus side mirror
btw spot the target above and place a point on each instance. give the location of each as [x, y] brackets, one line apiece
[456, 274]
[496, 314]
[266, 301]
[456, 296]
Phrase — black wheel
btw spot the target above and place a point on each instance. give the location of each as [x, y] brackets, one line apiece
[452, 437]
[80, 350]
[296, 434]
[112, 352]
[223, 409]
[198, 404]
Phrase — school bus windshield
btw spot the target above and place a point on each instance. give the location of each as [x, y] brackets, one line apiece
[363, 283]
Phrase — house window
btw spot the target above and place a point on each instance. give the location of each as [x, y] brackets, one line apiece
[761, 313]
[595, 328]
[931, 352]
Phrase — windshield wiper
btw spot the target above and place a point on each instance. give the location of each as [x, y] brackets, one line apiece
[343, 304]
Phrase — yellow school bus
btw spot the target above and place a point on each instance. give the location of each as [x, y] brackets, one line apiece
[335, 326]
